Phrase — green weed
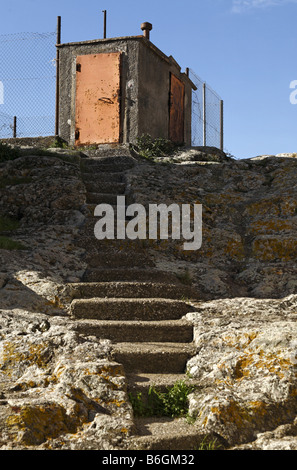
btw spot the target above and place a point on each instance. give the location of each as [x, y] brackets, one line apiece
[209, 444]
[59, 143]
[151, 148]
[184, 277]
[7, 243]
[172, 403]
[13, 181]
[8, 153]
[7, 224]
[140, 408]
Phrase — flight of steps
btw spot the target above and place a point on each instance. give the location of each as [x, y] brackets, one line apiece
[124, 298]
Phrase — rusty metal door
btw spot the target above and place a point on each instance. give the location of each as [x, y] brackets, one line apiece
[176, 110]
[97, 103]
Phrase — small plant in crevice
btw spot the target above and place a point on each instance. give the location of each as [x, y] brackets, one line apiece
[172, 403]
[8, 225]
[59, 143]
[14, 181]
[184, 277]
[150, 148]
[8, 153]
[140, 408]
[209, 443]
[7, 243]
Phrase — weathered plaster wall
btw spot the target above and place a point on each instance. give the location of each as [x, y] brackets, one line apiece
[153, 94]
[154, 70]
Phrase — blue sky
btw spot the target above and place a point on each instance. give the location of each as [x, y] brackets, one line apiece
[244, 49]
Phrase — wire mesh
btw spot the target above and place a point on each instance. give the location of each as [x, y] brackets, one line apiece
[197, 111]
[27, 84]
[206, 114]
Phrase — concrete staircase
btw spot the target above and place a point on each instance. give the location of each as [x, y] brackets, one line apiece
[124, 298]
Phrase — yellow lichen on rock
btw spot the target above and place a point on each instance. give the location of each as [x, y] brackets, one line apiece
[33, 424]
[271, 226]
[235, 249]
[268, 249]
[13, 356]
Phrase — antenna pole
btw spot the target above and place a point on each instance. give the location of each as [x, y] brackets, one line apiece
[104, 25]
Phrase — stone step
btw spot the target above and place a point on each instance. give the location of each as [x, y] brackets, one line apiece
[123, 309]
[89, 225]
[109, 157]
[175, 331]
[90, 176]
[132, 289]
[146, 275]
[87, 239]
[167, 434]
[106, 167]
[141, 383]
[108, 150]
[116, 259]
[108, 187]
[90, 208]
[153, 357]
[101, 198]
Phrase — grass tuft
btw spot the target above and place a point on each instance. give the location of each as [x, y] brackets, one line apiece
[7, 243]
[150, 148]
[8, 153]
[172, 403]
[7, 224]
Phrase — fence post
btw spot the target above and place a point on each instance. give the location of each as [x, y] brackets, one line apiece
[14, 127]
[222, 124]
[204, 114]
[57, 75]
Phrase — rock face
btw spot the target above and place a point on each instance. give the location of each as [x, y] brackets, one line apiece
[245, 329]
[57, 389]
[246, 366]
[63, 390]
[46, 195]
[249, 221]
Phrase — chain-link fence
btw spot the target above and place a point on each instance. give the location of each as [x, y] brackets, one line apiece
[207, 115]
[28, 89]
[27, 85]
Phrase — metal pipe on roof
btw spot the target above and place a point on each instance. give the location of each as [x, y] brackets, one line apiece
[146, 28]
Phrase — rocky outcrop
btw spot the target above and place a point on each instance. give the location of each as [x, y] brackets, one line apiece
[244, 274]
[45, 196]
[246, 367]
[58, 389]
[63, 383]
[249, 221]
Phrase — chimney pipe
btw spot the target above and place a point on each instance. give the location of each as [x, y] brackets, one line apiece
[146, 28]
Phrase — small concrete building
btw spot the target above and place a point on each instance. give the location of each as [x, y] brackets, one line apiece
[116, 89]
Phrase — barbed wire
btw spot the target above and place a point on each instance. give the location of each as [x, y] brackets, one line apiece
[24, 36]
